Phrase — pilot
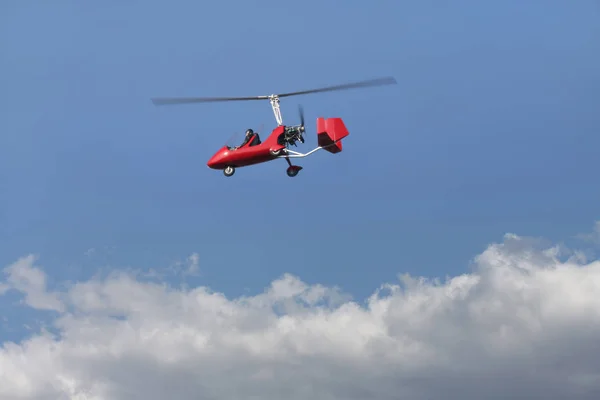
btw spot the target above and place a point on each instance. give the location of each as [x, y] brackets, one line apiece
[249, 134]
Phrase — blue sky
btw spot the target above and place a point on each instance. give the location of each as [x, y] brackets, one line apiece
[492, 128]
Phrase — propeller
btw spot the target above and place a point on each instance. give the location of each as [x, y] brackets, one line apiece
[301, 114]
[354, 85]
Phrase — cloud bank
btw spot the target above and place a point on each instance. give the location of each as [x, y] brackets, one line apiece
[524, 324]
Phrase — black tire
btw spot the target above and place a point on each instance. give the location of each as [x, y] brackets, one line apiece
[292, 172]
[229, 171]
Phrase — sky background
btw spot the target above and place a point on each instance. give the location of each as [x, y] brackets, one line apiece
[492, 128]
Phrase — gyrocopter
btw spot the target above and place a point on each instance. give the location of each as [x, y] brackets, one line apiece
[330, 131]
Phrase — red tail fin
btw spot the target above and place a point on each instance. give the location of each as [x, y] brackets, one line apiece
[330, 133]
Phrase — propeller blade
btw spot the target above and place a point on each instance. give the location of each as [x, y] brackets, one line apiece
[372, 82]
[186, 100]
[301, 112]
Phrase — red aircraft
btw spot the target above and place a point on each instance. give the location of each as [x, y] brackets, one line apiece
[330, 132]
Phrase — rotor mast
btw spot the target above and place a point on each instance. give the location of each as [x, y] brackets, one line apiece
[274, 100]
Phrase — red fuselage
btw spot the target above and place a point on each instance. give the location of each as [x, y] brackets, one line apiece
[248, 154]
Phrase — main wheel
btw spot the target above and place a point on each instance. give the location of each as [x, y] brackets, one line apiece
[291, 172]
[229, 170]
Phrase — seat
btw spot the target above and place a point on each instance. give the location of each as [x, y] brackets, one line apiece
[255, 140]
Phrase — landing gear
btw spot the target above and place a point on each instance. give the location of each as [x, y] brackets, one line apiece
[292, 169]
[229, 171]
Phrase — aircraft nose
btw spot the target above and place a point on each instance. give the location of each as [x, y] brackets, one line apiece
[217, 159]
[214, 160]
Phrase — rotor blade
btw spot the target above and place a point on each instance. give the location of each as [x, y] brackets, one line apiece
[187, 100]
[372, 82]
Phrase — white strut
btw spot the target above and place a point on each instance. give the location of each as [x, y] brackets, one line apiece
[274, 99]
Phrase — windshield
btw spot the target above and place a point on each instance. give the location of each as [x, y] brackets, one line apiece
[234, 140]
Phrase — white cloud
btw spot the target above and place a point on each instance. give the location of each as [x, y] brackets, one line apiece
[193, 264]
[522, 325]
[594, 236]
[189, 267]
[23, 276]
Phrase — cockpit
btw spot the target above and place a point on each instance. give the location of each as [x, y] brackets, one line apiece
[251, 139]
[254, 141]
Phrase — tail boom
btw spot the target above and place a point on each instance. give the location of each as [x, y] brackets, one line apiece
[330, 133]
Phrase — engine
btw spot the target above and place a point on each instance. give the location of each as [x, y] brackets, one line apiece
[291, 135]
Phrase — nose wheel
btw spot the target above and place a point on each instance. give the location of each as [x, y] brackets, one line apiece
[229, 171]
